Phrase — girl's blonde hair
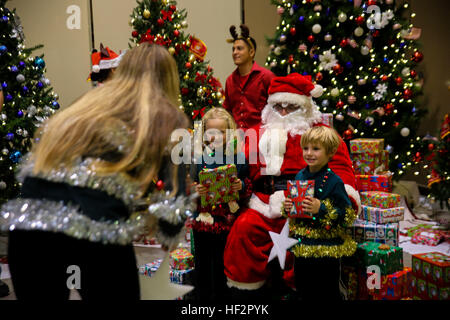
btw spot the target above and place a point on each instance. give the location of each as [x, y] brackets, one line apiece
[324, 136]
[222, 114]
[139, 105]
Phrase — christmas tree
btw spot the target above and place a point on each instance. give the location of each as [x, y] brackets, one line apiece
[161, 22]
[439, 179]
[364, 53]
[26, 99]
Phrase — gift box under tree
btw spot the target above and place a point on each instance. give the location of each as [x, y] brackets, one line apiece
[181, 259]
[388, 258]
[368, 156]
[362, 231]
[393, 286]
[378, 215]
[377, 182]
[433, 267]
[379, 199]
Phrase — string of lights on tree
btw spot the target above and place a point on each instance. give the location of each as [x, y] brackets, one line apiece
[367, 63]
[26, 99]
[161, 22]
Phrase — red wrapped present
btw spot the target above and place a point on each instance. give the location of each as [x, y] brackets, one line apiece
[430, 237]
[379, 199]
[393, 286]
[298, 190]
[432, 267]
[380, 182]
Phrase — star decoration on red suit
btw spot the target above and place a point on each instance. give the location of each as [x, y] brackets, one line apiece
[281, 243]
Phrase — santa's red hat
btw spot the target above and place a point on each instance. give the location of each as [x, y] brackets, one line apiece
[293, 89]
[105, 59]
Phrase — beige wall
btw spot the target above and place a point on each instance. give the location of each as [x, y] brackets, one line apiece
[66, 51]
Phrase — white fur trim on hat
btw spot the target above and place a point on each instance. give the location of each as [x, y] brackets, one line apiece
[352, 193]
[96, 68]
[287, 97]
[244, 285]
[317, 91]
[111, 63]
[271, 210]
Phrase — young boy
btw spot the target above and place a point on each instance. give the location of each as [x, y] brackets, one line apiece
[322, 239]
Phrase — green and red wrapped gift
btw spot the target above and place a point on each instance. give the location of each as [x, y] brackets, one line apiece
[380, 199]
[181, 259]
[388, 258]
[362, 231]
[377, 182]
[368, 156]
[366, 145]
[378, 215]
[433, 267]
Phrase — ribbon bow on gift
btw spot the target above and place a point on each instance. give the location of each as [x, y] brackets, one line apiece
[199, 111]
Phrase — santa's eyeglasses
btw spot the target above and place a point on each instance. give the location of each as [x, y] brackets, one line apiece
[285, 107]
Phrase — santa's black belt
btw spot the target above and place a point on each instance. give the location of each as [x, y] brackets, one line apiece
[270, 184]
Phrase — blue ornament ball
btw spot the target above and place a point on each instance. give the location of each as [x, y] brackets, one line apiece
[389, 148]
[39, 85]
[8, 97]
[3, 49]
[14, 69]
[20, 113]
[4, 85]
[414, 110]
[367, 106]
[374, 82]
[325, 103]
[22, 65]
[402, 45]
[305, 73]
[25, 89]
[15, 156]
[295, 7]
[400, 166]
[55, 105]
[348, 65]
[386, 60]
[10, 136]
[39, 62]
[301, 19]
[316, 56]
[5, 19]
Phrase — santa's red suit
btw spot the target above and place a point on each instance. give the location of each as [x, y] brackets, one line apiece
[279, 158]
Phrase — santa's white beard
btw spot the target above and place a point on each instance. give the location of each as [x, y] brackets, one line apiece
[295, 123]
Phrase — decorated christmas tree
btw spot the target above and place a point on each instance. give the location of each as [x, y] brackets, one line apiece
[161, 22]
[365, 54]
[439, 179]
[26, 99]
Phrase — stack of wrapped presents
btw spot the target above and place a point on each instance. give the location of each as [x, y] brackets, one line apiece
[430, 276]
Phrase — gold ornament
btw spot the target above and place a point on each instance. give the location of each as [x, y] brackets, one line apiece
[186, 77]
[188, 43]
[191, 58]
[131, 22]
[200, 91]
[171, 50]
[219, 95]
[146, 14]
[184, 24]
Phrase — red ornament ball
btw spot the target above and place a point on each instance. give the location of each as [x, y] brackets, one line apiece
[176, 33]
[417, 56]
[389, 108]
[359, 20]
[319, 76]
[431, 146]
[376, 70]
[348, 134]
[398, 81]
[396, 124]
[413, 73]
[293, 31]
[311, 38]
[291, 59]
[160, 22]
[384, 78]
[407, 94]
[371, 2]
[376, 33]
[184, 91]
[188, 65]
[160, 185]
[338, 69]
[340, 104]
[135, 34]
[343, 43]
[173, 7]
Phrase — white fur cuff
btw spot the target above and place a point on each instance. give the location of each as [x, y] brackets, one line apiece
[270, 210]
[244, 285]
[352, 193]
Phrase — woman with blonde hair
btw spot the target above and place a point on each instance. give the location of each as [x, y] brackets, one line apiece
[91, 166]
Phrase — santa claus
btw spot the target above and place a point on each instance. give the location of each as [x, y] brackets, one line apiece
[289, 112]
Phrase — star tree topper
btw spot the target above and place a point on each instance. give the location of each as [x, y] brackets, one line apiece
[281, 242]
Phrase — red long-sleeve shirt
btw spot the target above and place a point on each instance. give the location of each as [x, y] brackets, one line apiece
[246, 102]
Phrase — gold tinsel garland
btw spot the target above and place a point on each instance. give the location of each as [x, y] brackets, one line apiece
[348, 248]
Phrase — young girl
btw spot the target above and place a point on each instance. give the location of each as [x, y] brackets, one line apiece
[90, 169]
[322, 239]
[211, 224]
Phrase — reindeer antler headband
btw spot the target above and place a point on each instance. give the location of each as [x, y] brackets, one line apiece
[245, 35]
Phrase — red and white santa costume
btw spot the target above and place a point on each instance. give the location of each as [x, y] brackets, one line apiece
[279, 158]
